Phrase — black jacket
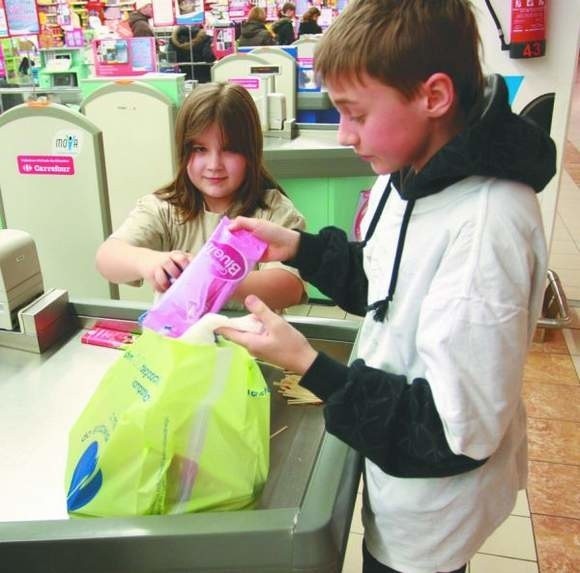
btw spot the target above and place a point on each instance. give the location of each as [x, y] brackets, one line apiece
[255, 34]
[309, 27]
[497, 143]
[192, 44]
[284, 30]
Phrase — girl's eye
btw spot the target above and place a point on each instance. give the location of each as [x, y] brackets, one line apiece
[197, 148]
[357, 118]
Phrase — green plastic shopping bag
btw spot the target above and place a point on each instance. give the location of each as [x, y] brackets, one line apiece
[172, 428]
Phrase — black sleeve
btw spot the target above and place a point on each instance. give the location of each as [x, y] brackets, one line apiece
[334, 266]
[392, 423]
[207, 51]
[285, 33]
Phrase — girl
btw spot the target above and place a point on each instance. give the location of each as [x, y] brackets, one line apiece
[220, 172]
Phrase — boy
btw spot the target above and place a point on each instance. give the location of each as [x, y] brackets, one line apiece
[284, 26]
[450, 280]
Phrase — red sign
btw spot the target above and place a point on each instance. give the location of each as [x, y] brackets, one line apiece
[45, 165]
[528, 29]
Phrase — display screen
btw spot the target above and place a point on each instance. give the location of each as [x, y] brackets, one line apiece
[113, 52]
[64, 80]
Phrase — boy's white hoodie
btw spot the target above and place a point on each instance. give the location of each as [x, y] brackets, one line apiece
[450, 280]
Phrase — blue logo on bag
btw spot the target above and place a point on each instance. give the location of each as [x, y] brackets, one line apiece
[85, 483]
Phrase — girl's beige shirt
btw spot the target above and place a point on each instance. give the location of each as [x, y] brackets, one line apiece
[155, 224]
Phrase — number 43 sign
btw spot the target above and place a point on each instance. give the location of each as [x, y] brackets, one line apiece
[528, 29]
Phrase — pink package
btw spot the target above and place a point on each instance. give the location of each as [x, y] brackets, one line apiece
[107, 337]
[207, 282]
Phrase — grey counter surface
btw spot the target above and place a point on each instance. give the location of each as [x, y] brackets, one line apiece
[40, 399]
[314, 153]
[301, 522]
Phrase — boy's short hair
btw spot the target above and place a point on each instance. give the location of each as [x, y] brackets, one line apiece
[403, 42]
[287, 7]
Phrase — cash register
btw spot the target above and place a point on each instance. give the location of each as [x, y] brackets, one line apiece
[62, 67]
[31, 318]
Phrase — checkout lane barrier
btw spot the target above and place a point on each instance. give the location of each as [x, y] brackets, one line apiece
[53, 186]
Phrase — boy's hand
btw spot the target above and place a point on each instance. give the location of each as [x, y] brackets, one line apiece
[282, 242]
[160, 269]
[278, 343]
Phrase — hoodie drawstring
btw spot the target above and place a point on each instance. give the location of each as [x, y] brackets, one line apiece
[381, 307]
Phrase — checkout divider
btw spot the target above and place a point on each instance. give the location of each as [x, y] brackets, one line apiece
[302, 519]
[138, 126]
[53, 186]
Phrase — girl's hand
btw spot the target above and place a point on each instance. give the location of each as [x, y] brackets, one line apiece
[160, 269]
[278, 343]
[282, 242]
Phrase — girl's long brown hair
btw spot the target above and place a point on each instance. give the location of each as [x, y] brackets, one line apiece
[232, 109]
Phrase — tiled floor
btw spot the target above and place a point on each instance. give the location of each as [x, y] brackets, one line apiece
[565, 247]
[543, 533]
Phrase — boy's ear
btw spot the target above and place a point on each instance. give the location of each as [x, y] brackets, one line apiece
[439, 94]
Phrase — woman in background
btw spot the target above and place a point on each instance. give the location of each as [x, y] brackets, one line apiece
[192, 44]
[309, 24]
[254, 31]
[139, 19]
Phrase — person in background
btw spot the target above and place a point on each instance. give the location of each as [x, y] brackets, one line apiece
[25, 65]
[186, 6]
[96, 8]
[254, 31]
[139, 20]
[309, 23]
[192, 44]
[284, 26]
[450, 280]
[220, 172]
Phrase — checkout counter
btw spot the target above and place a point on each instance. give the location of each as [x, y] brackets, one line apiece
[322, 178]
[301, 521]
[73, 96]
[11, 96]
